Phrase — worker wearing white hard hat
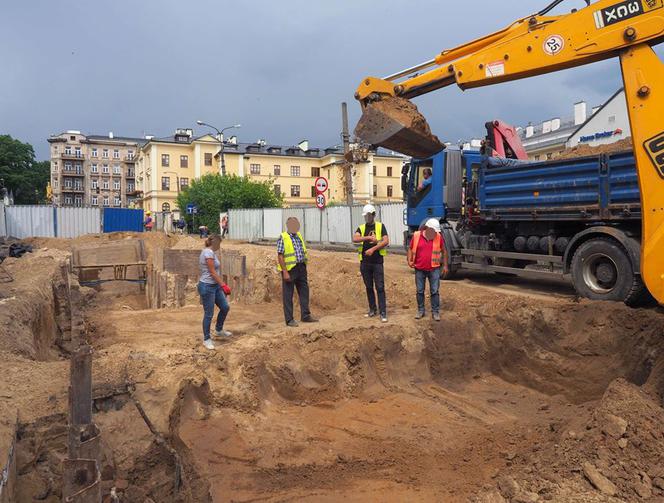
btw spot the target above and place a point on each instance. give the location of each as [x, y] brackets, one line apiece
[427, 255]
[373, 240]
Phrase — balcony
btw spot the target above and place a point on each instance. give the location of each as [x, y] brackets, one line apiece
[73, 172]
[130, 158]
[72, 155]
[131, 174]
[75, 189]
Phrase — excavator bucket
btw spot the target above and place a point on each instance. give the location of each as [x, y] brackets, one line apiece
[396, 124]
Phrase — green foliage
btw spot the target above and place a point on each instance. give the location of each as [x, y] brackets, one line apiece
[214, 193]
[25, 177]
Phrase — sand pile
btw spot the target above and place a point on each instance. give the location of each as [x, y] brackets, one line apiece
[587, 150]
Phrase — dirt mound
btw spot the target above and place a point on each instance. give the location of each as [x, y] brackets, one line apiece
[587, 150]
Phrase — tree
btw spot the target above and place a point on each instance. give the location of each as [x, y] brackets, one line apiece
[213, 194]
[22, 175]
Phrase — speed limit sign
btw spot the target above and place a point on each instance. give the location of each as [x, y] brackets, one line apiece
[321, 185]
[320, 201]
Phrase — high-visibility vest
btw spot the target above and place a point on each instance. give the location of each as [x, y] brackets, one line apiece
[289, 251]
[437, 251]
[379, 236]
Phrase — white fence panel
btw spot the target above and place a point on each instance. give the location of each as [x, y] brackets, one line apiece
[246, 225]
[74, 222]
[392, 216]
[292, 212]
[313, 225]
[272, 223]
[30, 221]
[356, 216]
[339, 224]
[3, 227]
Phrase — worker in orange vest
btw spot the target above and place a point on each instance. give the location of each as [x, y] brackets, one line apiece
[426, 254]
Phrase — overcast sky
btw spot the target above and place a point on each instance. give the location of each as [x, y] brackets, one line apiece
[281, 68]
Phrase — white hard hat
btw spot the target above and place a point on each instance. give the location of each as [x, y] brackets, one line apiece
[434, 224]
[369, 208]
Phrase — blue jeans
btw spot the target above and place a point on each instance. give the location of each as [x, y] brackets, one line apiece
[434, 283]
[211, 295]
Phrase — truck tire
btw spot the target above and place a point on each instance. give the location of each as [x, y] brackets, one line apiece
[602, 270]
[639, 295]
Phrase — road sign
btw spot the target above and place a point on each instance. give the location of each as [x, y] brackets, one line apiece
[321, 185]
[320, 201]
[192, 209]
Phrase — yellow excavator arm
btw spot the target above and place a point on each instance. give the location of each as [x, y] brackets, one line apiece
[540, 44]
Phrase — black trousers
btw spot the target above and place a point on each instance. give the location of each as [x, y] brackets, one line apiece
[298, 276]
[374, 275]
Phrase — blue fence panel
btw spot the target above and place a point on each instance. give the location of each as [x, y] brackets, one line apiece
[123, 219]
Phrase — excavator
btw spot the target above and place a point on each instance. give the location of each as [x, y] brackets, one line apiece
[534, 45]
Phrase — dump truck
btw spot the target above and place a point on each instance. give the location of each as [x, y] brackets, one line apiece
[577, 219]
[537, 44]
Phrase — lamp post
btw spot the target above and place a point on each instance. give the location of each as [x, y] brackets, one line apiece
[220, 134]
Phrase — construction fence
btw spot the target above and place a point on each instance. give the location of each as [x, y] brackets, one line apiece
[335, 224]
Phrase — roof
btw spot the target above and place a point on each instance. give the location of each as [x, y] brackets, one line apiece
[615, 95]
[128, 139]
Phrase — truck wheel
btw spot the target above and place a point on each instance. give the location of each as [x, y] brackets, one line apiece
[601, 270]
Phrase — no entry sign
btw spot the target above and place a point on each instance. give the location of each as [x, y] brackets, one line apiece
[320, 201]
[321, 185]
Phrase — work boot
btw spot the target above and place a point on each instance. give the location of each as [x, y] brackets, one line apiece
[436, 316]
[293, 323]
[419, 315]
[309, 319]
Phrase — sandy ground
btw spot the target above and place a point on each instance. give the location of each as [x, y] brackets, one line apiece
[521, 393]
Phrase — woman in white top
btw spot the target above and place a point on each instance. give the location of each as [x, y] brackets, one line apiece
[210, 288]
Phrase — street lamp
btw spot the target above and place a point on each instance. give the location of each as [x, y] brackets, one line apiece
[220, 134]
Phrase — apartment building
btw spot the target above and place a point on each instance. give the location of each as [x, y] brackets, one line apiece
[93, 170]
[166, 165]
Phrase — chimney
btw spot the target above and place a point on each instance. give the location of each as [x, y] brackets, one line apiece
[110, 134]
[233, 140]
[555, 124]
[304, 145]
[546, 127]
[580, 113]
[530, 130]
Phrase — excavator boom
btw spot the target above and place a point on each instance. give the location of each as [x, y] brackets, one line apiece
[536, 45]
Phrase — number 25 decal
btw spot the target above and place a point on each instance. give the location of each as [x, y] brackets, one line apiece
[554, 44]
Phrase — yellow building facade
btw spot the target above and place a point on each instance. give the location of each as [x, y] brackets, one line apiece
[165, 165]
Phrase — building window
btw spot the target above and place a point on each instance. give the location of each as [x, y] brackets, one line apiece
[375, 190]
[537, 157]
[54, 167]
[104, 185]
[78, 201]
[116, 184]
[612, 118]
[68, 200]
[77, 151]
[208, 159]
[94, 201]
[104, 168]
[277, 170]
[389, 171]
[184, 182]
[165, 160]
[94, 154]
[68, 183]
[67, 166]
[130, 155]
[294, 171]
[55, 183]
[295, 190]
[277, 190]
[375, 171]
[184, 161]
[165, 183]
[94, 184]
[94, 168]
[549, 156]
[104, 153]
[105, 201]
[166, 207]
[130, 187]
[255, 169]
[116, 169]
[315, 172]
[389, 191]
[117, 201]
[116, 154]
[79, 168]
[68, 150]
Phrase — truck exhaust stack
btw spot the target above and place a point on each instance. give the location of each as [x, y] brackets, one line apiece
[396, 124]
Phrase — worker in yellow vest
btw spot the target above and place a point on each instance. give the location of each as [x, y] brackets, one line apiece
[426, 254]
[293, 257]
[373, 240]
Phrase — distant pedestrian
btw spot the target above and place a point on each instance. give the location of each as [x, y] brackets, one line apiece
[426, 254]
[373, 240]
[224, 226]
[203, 231]
[212, 290]
[149, 222]
[182, 224]
[293, 257]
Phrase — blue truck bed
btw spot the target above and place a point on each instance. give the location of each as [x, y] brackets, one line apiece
[600, 187]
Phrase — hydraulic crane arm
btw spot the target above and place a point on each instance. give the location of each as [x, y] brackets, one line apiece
[540, 44]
